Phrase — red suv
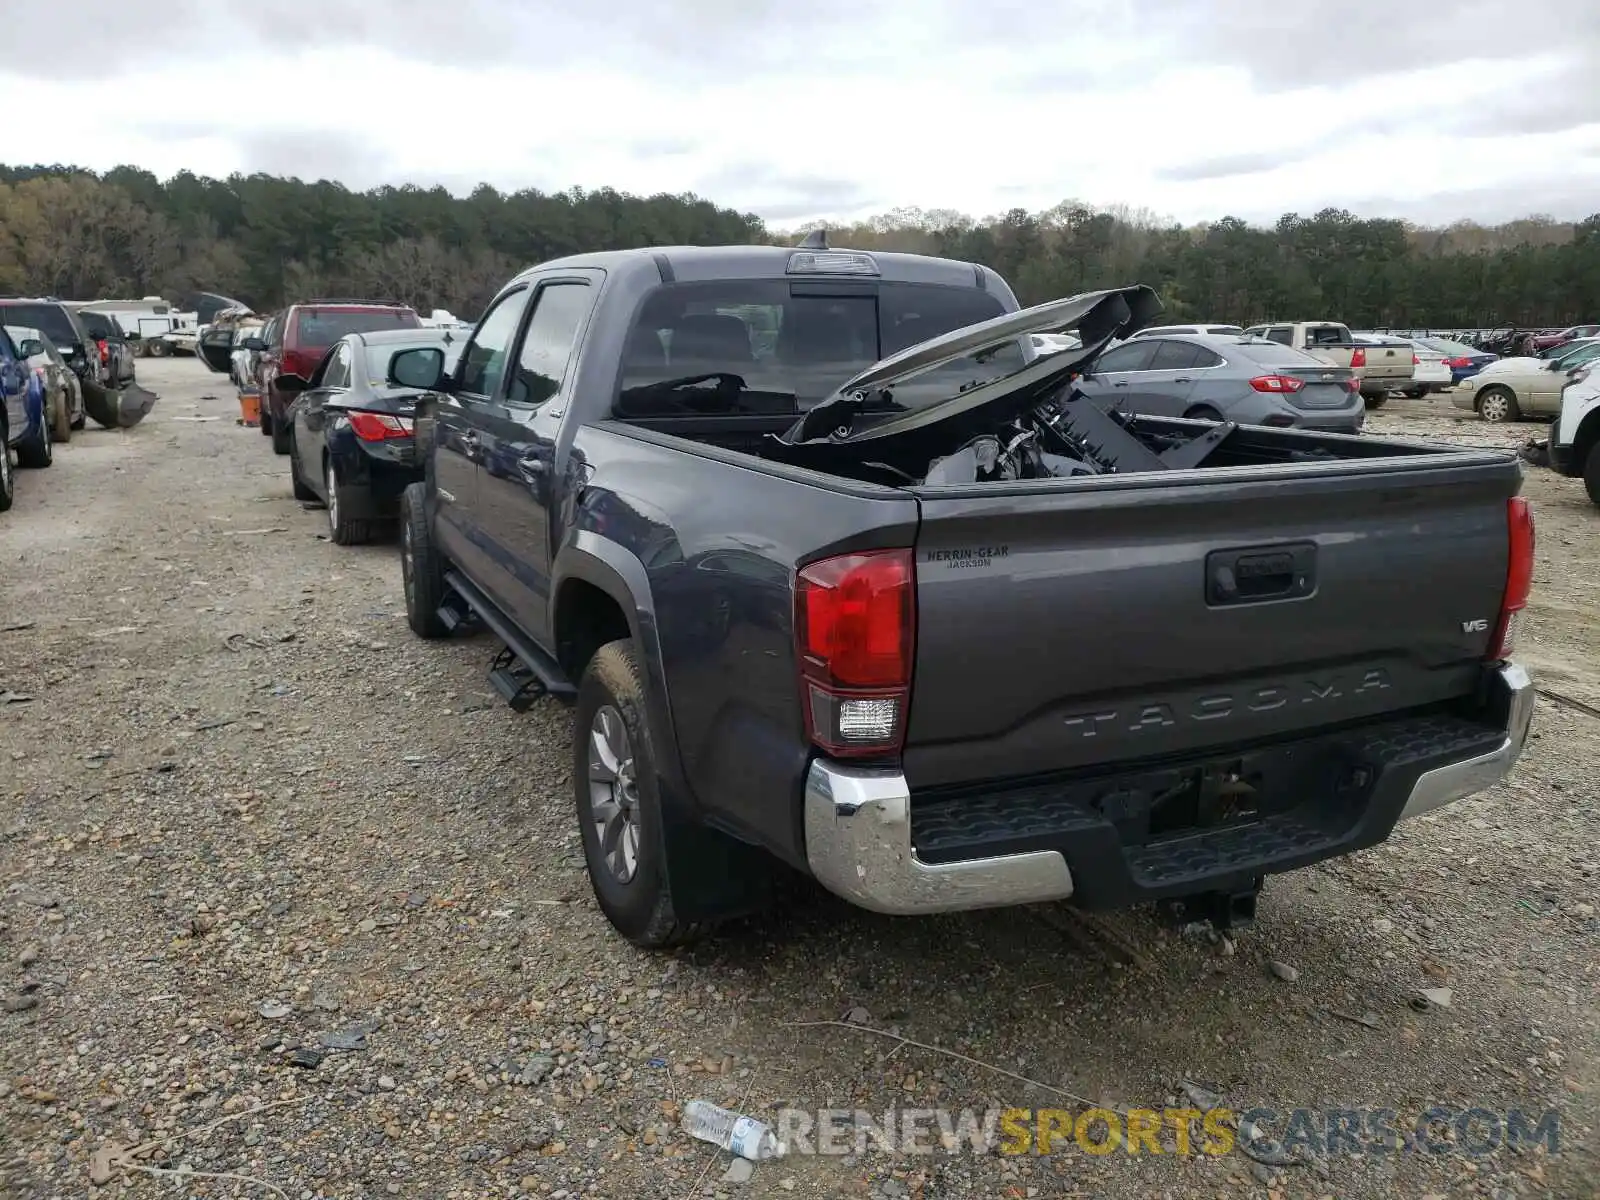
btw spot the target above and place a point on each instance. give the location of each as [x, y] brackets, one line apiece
[295, 340]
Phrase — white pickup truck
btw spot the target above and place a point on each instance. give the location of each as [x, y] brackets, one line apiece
[1380, 368]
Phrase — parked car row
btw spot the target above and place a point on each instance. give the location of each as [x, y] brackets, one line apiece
[95, 349]
[321, 371]
[56, 371]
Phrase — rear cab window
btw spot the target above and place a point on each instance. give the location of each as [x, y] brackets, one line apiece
[52, 319]
[321, 327]
[782, 346]
[100, 326]
[1327, 335]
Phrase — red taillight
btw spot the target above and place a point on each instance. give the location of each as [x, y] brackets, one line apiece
[1358, 357]
[1519, 576]
[379, 427]
[105, 355]
[1416, 360]
[1352, 384]
[854, 623]
[1455, 363]
[1277, 383]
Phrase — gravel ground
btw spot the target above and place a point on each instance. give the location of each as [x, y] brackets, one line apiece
[245, 813]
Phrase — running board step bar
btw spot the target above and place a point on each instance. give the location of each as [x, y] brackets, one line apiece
[522, 672]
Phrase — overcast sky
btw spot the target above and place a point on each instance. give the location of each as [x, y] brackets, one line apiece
[1433, 110]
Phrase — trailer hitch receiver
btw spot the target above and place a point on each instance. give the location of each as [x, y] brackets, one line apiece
[1221, 910]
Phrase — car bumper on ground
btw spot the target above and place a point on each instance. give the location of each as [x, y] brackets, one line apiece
[871, 842]
[1465, 398]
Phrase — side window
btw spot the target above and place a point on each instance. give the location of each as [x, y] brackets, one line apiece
[1254, 331]
[1130, 356]
[1205, 358]
[548, 345]
[1281, 334]
[1175, 356]
[270, 335]
[483, 363]
[337, 373]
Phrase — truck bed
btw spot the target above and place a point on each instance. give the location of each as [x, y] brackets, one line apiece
[1070, 623]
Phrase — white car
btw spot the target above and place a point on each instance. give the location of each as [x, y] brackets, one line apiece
[1054, 343]
[1164, 330]
[1429, 371]
[1575, 433]
[1510, 389]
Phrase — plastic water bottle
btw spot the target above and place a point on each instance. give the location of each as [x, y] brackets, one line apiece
[745, 1136]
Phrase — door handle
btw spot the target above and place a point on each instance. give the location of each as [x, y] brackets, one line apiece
[1183, 379]
[1120, 383]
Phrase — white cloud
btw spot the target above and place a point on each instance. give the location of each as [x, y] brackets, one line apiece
[797, 111]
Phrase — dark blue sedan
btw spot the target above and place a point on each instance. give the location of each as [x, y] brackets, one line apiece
[1463, 360]
[352, 438]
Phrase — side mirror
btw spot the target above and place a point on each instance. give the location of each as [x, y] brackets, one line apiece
[421, 367]
[29, 347]
[253, 343]
[293, 383]
[133, 335]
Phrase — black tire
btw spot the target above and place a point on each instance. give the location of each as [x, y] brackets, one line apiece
[1203, 412]
[1375, 400]
[266, 419]
[343, 529]
[301, 492]
[8, 481]
[1490, 408]
[421, 565]
[61, 423]
[640, 906]
[1416, 393]
[36, 453]
[1591, 474]
[282, 436]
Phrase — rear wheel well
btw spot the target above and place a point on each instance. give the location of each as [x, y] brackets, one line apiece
[586, 619]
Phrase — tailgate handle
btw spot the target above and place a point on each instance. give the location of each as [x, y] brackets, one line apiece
[1260, 573]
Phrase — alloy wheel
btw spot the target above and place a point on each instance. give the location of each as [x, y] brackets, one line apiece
[614, 793]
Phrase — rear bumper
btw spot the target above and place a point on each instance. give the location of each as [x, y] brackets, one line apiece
[867, 841]
[376, 475]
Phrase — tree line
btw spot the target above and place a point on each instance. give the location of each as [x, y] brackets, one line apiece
[268, 240]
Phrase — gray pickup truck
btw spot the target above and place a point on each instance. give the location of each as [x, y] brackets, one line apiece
[838, 571]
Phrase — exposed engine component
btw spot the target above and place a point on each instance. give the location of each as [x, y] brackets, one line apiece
[1032, 423]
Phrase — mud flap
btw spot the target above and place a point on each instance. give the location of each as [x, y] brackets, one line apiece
[116, 408]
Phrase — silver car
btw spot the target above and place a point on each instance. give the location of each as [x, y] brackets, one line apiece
[1250, 380]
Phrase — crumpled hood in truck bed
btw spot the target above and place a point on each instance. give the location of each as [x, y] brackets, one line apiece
[1098, 317]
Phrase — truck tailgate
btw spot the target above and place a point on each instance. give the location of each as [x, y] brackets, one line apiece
[1388, 362]
[1088, 622]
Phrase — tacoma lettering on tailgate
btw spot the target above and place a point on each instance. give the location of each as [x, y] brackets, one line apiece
[1221, 705]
